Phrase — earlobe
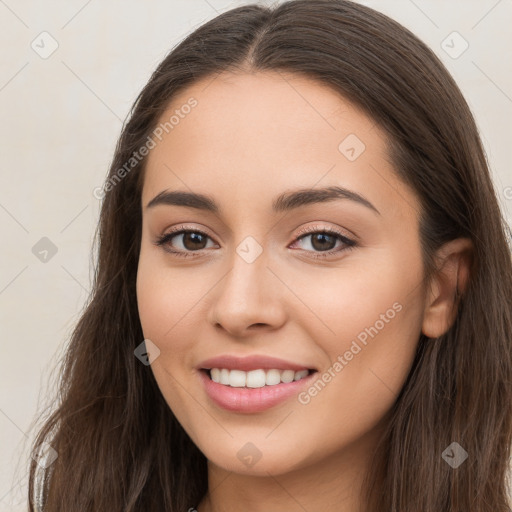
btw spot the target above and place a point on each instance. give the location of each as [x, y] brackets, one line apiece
[447, 286]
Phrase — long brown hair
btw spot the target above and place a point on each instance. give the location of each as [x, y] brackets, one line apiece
[119, 445]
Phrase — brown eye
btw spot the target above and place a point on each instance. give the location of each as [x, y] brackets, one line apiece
[323, 241]
[193, 241]
[184, 242]
[320, 241]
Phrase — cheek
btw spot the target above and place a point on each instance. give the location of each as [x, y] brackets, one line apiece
[170, 302]
[154, 300]
[163, 315]
[370, 323]
[368, 357]
[165, 298]
[360, 298]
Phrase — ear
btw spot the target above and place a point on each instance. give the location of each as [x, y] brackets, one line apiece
[446, 286]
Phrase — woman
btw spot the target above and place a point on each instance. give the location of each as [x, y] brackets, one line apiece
[303, 292]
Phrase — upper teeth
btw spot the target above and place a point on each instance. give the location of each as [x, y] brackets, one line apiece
[255, 378]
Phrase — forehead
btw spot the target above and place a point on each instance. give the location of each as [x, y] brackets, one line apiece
[265, 107]
[259, 134]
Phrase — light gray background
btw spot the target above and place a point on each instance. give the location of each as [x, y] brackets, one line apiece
[61, 117]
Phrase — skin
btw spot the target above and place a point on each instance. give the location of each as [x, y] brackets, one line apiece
[250, 138]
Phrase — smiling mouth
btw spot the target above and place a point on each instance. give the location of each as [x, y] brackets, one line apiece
[255, 378]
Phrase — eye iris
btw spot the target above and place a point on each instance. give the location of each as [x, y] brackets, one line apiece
[195, 238]
[323, 237]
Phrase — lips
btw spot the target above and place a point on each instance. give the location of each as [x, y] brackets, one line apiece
[248, 363]
[246, 400]
[253, 398]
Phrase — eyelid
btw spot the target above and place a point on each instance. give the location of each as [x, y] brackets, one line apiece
[185, 227]
[322, 228]
[301, 232]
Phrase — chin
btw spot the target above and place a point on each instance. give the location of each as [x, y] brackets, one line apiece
[255, 459]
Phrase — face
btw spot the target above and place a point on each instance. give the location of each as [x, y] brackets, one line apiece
[330, 283]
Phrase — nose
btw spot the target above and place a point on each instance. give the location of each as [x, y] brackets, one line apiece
[249, 297]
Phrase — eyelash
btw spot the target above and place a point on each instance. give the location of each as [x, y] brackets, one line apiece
[163, 240]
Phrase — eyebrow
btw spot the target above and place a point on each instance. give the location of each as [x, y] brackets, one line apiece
[284, 202]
